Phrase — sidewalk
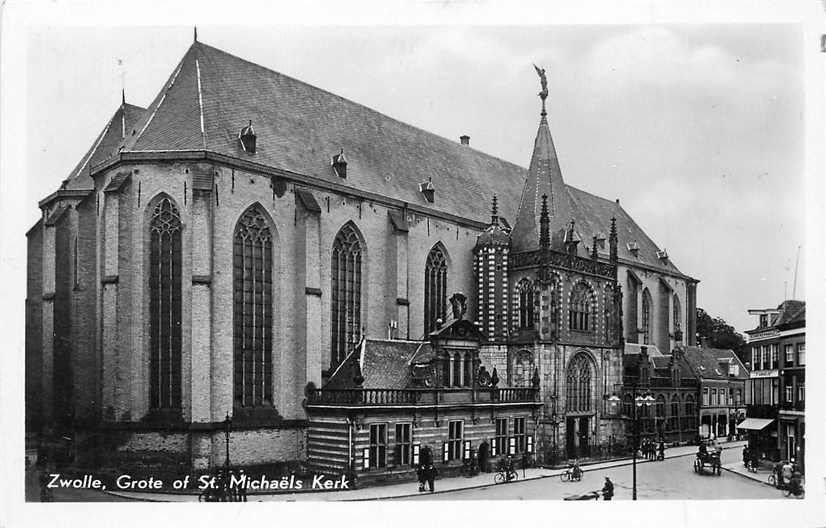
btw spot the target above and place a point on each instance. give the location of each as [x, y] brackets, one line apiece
[761, 475]
[408, 489]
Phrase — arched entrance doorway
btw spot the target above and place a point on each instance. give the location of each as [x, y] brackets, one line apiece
[579, 406]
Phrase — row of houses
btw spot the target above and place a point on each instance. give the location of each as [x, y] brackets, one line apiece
[776, 389]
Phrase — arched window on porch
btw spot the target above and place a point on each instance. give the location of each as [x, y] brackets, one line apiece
[525, 289]
[578, 384]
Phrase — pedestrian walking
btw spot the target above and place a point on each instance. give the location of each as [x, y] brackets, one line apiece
[607, 489]
[661, 449]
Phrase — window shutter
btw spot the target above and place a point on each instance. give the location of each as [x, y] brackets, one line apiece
[493, 447]
[416, 450]
[366, 457]
[530, 444]
[466, 454]
[445, 452]
[512, 446]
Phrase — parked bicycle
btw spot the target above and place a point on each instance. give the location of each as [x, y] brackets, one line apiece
[505, 472]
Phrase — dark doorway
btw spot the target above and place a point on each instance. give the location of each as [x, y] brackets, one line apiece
[484, 454]
[570, 437]
[584, 446]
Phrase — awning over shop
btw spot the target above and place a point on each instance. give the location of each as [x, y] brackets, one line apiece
[754, 424]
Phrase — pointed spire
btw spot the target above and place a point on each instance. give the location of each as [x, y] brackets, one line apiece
[612, 241]
[544, 178]
[123, 96]
[195, 34]
[544, 225]
[594, 255]
[494, 211]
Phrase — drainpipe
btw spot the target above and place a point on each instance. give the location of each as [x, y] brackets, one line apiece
[350, 461]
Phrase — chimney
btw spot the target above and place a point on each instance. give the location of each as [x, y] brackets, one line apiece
[465, 140]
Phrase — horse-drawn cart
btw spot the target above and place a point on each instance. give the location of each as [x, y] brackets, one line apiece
[708, 462]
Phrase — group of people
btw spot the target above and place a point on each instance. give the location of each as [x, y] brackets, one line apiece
[787, 474]
[426, 470]
[652, 450]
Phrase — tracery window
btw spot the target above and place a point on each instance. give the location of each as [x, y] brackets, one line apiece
[579, 312]
[165, 306]
[252, 261]
[345, 293]
[677, 314]
[435, 288]
[578, 386]
[526, 304]
[646, 317]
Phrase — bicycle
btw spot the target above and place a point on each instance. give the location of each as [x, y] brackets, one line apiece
[772, 480]
[570, 476]
[505, 475]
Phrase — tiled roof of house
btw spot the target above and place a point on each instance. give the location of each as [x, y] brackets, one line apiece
[383, 364]
[791, 312]
[212, 94]
[106, 145]
[706, 362]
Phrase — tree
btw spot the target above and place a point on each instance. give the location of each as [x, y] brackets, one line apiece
[720, 334]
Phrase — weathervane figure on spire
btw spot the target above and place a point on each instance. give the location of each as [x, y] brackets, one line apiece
[544, 81]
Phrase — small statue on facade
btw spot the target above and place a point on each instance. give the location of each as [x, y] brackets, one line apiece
[458, 302]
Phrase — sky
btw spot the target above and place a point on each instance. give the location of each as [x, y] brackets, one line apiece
[697, 129]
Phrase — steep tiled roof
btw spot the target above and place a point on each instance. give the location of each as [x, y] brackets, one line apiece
[706, 362]
[211, 95]
[791, 312]
[544, 179]
[106, 145]
[383, 364]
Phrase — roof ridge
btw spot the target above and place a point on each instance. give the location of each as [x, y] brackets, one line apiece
[360, 105]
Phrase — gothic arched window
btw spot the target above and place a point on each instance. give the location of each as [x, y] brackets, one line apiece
[689, 407]
[677, 315]
[675, 411]
[578, 386]
[165, 306]
[579, 312]
[523, 369]
[526, 304]
[646, 317]
[659, 406]
[345, 293]
[252, 262]
[435, 288]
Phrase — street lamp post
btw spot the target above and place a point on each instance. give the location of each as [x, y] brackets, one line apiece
[639, 402]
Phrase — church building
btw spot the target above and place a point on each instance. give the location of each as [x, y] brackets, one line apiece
[347, 288]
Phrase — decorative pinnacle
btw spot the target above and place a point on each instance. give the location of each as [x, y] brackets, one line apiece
[494, 210]
[123, 96]
[544, 225]
[195, 33]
